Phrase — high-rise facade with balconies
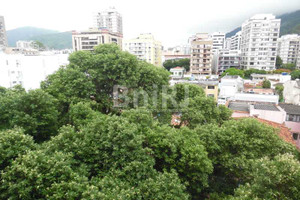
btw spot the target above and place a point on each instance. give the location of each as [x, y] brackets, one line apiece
[201, 54]
[87, 40]
[3, 37]
[218, 39]
[288, 48]
[259, 42]
[235, 41]
[146, 48]
[111, 20]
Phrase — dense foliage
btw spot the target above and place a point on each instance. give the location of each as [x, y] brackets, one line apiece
[266, 84]
[185, 63]
[68, 140]
[295, 74]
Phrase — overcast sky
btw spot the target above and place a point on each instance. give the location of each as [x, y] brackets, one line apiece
[171, 21]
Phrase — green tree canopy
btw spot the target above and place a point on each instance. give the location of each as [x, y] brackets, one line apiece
[276, 178]
[295, 74]
[266, 84]
[36, 111]
[253, 71]
[233, 71]
[185, 63]
[278, 62]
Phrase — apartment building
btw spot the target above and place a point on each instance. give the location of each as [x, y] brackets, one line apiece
[226, 59]
[288, 48]
[146, 48]
[29, 71]
[25, 44]
[109, 19]
[87, 40]
[228, 43]
[235, 41]
[259, 38]
[3, 37]
[201, 54]
[218, 39]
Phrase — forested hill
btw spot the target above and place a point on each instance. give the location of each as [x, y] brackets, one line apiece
[50, 38]
[290, 23]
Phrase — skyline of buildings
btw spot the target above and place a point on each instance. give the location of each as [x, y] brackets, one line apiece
[258, 42]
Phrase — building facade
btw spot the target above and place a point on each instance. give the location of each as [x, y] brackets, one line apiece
[87, 40]
[226, 59]
[291, 92]
[235, 41]
[146, 48]
[201, 54]
[3, 37]
[111, 20]
[259, 38]
[29, 71]
[218, 39]
[288, 48]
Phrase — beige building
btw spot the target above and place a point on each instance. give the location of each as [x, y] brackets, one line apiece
[201, 54]
[146, 48]
[87, 40]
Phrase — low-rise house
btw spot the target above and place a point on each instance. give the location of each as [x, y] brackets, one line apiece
[268, 91]
[291, 92]
[281, 78]
[177, 72]
[256, 98]
[292, 120]
[268, 112]
[231, 85]
[210, 86]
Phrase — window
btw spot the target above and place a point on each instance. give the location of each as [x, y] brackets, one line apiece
[211, 95]
[211, 87]
[295, 136]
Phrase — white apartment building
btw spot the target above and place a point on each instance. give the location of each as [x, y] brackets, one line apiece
[109, 19]
[259, 42]
[29, 71]
[228, 43]
[218, 39]
[25, 44]
[298, 60]
[87, 40]
[288, 48]
[201, 54]
[235, 41]
[291, 92]
[146, 48]
[3, 37]
[225, 59]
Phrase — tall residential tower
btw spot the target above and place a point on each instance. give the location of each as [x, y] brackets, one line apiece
[259, 42]
[111, 20]
[288, 48]
[201, 54]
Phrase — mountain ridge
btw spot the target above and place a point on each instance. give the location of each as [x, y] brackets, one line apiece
[290, 24]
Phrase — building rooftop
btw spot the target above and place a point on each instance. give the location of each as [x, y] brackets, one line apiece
[231, 77]
[238, 106]
[290, 108]
[269, 107]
